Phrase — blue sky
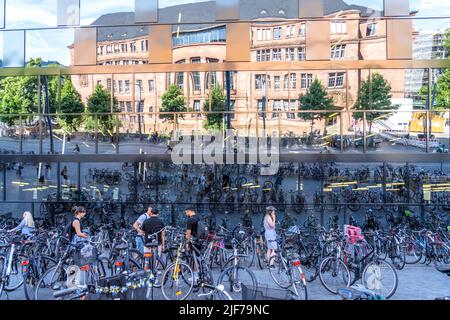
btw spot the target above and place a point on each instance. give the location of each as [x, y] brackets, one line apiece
[52, 44]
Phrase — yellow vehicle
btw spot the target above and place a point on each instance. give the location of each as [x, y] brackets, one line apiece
[416, 125]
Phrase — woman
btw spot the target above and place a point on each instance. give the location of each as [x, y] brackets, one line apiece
[270, 234]
[75, 233]
[26, 226]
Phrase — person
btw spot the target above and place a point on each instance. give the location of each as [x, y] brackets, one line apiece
[191, 231]
[137, 225]
[26, 226]
[75, 230]
[151, 227]
[270, 234]
[47, 169]
[76, 149]
[64, 173]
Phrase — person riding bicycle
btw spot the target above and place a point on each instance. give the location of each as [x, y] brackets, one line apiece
[153, 227]
[26, 226]
[270, 234]
[137, 225]
[75, 229]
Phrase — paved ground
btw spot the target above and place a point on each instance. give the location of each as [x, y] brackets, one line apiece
[416, 282]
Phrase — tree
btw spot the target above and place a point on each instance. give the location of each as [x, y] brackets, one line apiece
[100, 102]
[316, 98]
[172, 101]
[376, 98]
[70, 103]
[218, 104]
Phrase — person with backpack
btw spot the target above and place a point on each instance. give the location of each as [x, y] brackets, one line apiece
[195, 228]
[74, 231]
[153, 228]
[137, 225]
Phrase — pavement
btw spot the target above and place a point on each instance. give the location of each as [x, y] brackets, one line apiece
[415, 282]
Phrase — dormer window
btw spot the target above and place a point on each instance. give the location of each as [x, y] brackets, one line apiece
[281, 11]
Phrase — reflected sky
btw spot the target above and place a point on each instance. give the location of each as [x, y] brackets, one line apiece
[52, 45]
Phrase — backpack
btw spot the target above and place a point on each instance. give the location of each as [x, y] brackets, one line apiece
[202, 230]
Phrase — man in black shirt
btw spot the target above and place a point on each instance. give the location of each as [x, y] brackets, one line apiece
[192, 223]
[153, 226]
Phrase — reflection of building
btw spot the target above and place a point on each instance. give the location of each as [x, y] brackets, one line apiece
[425, 47]
[358, 38]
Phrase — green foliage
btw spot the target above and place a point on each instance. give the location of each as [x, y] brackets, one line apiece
[447, 43]
[316, 98]
[70, 103]
[172, 101]
[377, 98]
[100, 102]
[218, 104]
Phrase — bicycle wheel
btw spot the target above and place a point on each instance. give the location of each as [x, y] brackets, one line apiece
[398, 257]
[2, 265]
[32, 272]
[52, 280]
[380, 277]
[15, 278]
[233, 279]
[261, 251]
[280, 272]
[300, 288]
[334, 274]
[177, 281]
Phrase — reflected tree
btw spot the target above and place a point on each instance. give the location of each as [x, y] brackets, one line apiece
[218, 104]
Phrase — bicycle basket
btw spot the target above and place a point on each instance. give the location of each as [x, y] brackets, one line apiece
[88, 254]
[265, 293]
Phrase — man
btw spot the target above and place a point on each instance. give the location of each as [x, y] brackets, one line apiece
[138, 227]
[191, 231]
[153, 227]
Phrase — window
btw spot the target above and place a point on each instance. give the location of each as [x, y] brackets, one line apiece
[139, 85]
[290, 31]
[259, 81]
[109, 49]
[276, 55]
[260, 108]
[264, 34]
[232, 108]
[115, 86]
[290, 54]
[259, 34]
[336, 80]
[180, 80]
[127, 86]
[196, 78]
[338, 51]
[124, 47]
[144, 45]
[276, 33]
[197, 105]
[301, 54]
[100, 50]
[120, 87]
[116, 48]
[338, 27]
[151, 85]
[195, 60]
[129, 109]
[233, 76]
[277, 82]
[302, 31]
[293, 81]
[286, 82]
[276, 107]
[208, 36]
[99, 82]
[122, 106]
[306, 80]
[263, 55]
[371, 29]
[211, 80]
[133, 47]
[292, 107]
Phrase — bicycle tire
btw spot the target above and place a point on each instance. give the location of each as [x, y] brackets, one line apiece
[281, 269]
[16, 274]
[57, 274]
[234, 287]
[345, 277]
[372, 285]
[187, 278]
[32, 275]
